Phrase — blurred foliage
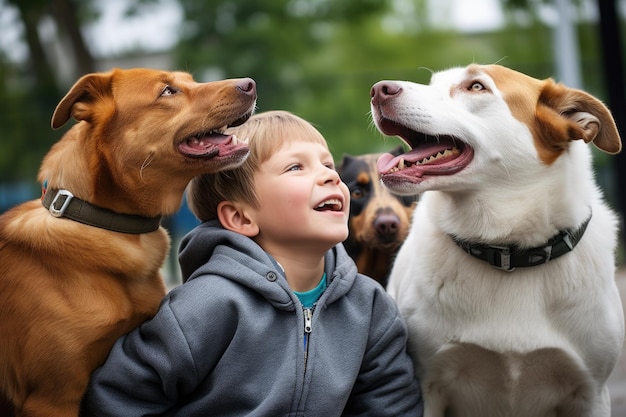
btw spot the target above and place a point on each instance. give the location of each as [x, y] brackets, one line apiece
[317, 58]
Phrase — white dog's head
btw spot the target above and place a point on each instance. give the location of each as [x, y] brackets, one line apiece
[477, 124]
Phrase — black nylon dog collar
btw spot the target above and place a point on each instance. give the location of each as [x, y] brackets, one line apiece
[508, 258]
[62, 203]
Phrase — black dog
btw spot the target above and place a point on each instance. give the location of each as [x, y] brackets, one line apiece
[379, 221]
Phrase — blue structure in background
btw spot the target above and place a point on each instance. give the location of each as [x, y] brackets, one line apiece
[12, 194]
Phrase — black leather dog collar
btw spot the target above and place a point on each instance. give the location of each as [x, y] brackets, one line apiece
[510, 257]
[62, 203]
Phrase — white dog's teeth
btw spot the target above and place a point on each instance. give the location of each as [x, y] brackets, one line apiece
[401, 164]
[441, 154]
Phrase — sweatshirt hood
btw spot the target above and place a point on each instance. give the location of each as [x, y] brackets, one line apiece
[209, 249]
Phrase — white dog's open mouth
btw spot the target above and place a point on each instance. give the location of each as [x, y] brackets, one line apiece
[429, 155]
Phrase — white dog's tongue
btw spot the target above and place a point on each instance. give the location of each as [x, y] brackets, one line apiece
[387, 162]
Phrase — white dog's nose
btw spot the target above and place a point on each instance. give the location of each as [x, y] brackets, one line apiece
[382, 90]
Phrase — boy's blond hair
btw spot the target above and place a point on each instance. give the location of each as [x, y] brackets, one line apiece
[266, 133]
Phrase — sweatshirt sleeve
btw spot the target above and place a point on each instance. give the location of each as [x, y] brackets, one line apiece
[146, 371]
[386, 385]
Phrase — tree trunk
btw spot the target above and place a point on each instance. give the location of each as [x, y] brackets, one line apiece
[611, 48]
[64, 12]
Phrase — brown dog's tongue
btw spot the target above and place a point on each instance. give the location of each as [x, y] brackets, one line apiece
[205, 145]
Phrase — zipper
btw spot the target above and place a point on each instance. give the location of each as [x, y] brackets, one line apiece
[308, 326]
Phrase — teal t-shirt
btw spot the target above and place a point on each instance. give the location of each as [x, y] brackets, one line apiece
[309, 298]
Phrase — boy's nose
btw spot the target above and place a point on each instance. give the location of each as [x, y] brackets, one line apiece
[332, 177]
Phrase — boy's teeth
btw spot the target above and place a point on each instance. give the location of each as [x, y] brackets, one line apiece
[333, 202]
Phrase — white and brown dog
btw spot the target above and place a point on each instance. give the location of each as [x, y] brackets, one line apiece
[506, 279]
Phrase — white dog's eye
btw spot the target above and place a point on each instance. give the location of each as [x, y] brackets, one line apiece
[476, 86]
[169, 91]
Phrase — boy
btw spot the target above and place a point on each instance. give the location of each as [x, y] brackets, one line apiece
[273, 319]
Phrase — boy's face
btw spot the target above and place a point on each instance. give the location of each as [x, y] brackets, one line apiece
[302, 202]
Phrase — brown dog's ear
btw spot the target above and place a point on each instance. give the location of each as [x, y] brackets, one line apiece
[79, 100]
[581, 116]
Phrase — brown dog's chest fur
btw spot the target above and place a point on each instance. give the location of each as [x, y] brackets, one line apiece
[110, 287]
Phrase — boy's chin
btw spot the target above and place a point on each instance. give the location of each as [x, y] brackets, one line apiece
[341, 237]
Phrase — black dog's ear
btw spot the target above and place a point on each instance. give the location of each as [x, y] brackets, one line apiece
[398, 150]
[347, 160]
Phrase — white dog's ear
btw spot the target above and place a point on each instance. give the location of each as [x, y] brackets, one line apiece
[595, 121]
[589, 123]
[565, 114]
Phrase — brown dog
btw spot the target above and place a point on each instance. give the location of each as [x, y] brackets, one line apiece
[77, 275]
[379, 220]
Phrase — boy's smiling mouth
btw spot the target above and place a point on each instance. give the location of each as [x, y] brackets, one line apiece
[332, 204]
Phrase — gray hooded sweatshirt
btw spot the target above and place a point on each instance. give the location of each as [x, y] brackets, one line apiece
[230, 342]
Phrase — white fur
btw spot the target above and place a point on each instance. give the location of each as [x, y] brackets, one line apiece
[536, 342]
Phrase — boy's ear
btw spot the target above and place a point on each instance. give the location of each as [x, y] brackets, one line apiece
[235, 218]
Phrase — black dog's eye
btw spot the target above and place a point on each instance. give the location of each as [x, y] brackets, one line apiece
[169, 91]
[357, 193]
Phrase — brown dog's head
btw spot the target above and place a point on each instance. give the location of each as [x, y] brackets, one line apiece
[143, 134]
[379, 221]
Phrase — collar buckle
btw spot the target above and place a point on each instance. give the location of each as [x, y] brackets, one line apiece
[501, 258]
[58, 212]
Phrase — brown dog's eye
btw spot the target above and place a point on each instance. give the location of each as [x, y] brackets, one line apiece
[169, 91]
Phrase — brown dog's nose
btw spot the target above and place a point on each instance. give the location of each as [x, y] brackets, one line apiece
[247, 86]
[382, 90]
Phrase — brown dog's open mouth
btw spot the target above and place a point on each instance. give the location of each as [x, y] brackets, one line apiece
[429, 155]
[214, 142]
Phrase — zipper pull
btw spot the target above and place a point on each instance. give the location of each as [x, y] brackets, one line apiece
[308, 320]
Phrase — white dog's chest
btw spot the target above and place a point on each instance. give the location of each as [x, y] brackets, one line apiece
[516, 385]
[484, 337]
[497, 314]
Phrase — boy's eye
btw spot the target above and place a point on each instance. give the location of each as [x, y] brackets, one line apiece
[294, 167]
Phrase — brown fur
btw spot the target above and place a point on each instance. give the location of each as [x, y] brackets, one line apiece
[70, 290]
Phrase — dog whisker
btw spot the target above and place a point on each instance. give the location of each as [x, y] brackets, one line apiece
[145, 164]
